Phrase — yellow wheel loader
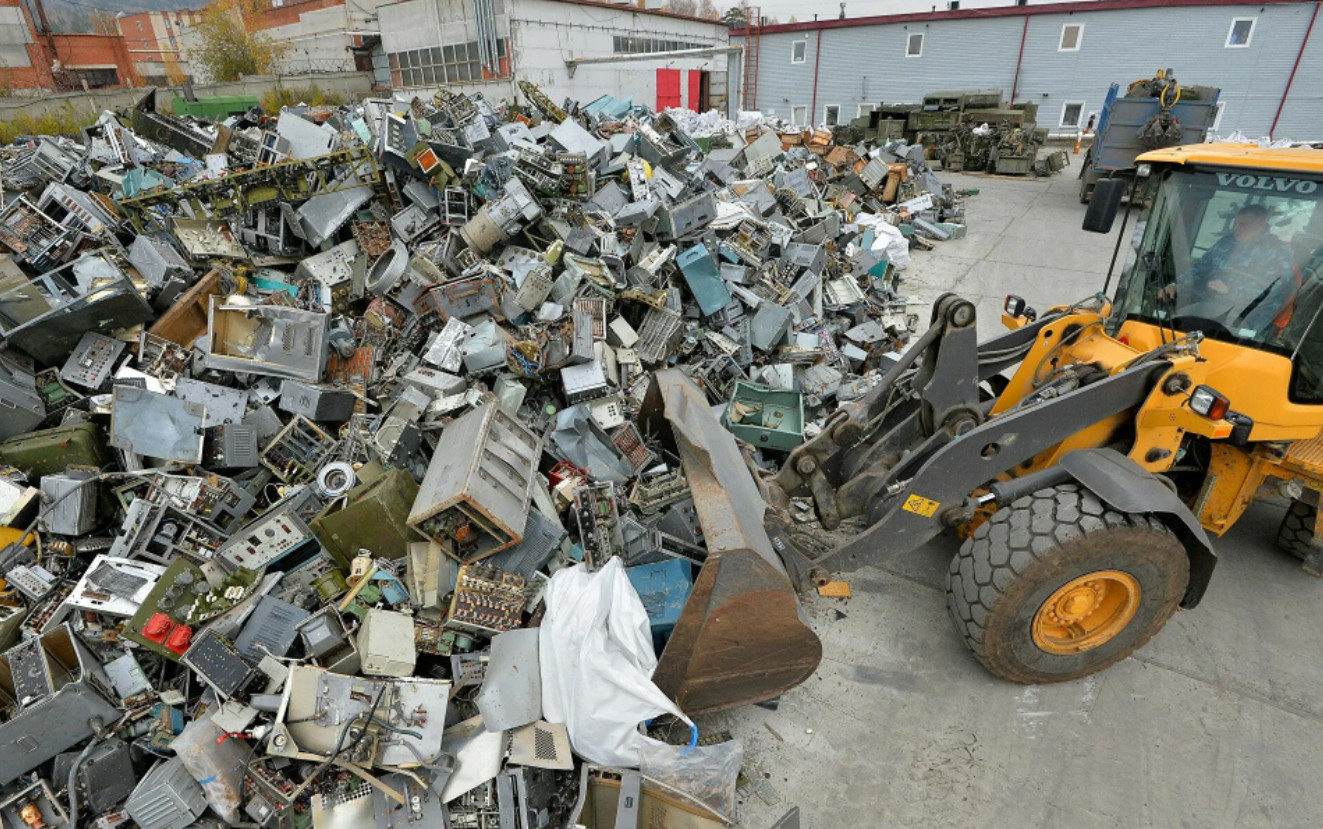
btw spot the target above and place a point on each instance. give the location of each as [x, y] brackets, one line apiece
[1086, 455]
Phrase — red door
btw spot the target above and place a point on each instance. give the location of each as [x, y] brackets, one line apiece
[695, 86]
[668, 88]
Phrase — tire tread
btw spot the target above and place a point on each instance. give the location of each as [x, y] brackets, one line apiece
[1296, 532]
[1037, 525]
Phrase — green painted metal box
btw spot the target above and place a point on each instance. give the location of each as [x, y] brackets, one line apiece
[765, 417]
[215, 107]
[48, 451]
[933, 121]
[373, 519]
[1015, 165]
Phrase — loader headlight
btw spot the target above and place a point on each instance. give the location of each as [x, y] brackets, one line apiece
[1209, 402]
[1143, 170]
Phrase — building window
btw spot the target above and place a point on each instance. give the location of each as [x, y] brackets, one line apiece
[1217, 116]
[457, 63]
[1071, 113]
[863, 110]
[140, 25]
[798, 50]
[798, 116]
[954, 5]
[914, 46]
[1242, 29]
[1071, 36]
[831, 115]
[98, 77]
[627, 45]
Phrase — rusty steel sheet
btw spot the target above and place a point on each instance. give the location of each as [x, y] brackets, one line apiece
[740, 638]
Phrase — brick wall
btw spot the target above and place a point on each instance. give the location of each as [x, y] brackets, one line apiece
[291, 12]
[72, 51]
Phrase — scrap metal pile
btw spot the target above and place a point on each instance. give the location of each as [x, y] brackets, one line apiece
[973, 130]
[306, 417]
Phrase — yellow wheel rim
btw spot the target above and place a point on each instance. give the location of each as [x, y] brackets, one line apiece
[1086, 612]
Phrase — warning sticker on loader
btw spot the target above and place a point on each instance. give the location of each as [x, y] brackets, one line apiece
[919, 505]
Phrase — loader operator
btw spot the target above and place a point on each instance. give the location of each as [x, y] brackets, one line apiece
[1244, 279]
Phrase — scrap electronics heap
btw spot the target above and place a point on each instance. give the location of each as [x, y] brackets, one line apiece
[302, 412]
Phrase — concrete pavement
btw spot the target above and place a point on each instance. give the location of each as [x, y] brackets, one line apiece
[1218, 721]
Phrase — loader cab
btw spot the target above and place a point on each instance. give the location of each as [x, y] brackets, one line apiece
[1232, 248]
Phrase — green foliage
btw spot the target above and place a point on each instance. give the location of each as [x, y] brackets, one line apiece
[273, 99]
[230, 46]
[63, 121]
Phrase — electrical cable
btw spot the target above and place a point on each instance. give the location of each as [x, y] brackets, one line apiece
[408, 732]
[1061, 343]
[1162, 95]
[72, 780]
[340, 747]
[97, 478]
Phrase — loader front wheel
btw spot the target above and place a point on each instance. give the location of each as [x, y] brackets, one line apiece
[1058, 585]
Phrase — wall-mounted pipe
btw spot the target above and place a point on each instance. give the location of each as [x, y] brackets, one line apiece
[817, 61]
[1294, 68]
[1015, 84]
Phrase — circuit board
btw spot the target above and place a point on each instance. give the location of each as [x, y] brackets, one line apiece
[599, 523]
[486, 600]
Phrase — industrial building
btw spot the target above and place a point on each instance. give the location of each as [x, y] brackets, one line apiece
[320, 36]
[1266, 57]
[571, 48]
[33, 57]
[155, 42]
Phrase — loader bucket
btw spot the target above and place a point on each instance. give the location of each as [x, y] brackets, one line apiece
[740, 638]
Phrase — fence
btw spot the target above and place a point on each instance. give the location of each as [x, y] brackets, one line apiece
[91, 104]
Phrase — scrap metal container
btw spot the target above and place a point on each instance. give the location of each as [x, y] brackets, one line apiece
[774, 418]
[214, 107]
[49, 451]
[1117, 142]
[51, 693]
[475, 496]
[1015, 165]
[372, 518]
[167, 797]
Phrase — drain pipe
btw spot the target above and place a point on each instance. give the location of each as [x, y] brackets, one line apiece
[1015, 84]
[817, 60]
[1298, 55]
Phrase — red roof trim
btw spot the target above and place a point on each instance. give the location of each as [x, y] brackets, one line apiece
[1003, 11]
[630, 7]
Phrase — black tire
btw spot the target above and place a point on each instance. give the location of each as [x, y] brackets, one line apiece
[1297, 528]
[1026, 551]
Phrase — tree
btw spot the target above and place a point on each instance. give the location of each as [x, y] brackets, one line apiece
[734, 18]
[229, 47]
[794, 19]
[707, 9]
[689, 7]
[103, 23]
